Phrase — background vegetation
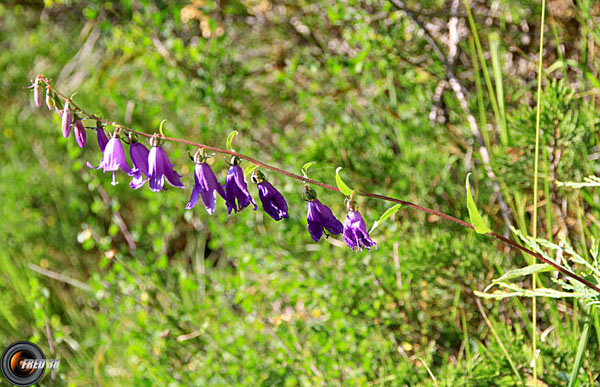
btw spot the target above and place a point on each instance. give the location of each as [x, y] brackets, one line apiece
[194, 299]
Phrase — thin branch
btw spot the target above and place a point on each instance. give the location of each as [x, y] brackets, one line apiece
[507, 241]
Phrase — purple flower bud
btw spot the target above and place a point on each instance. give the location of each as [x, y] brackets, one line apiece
[80, 135]
[355, 232]
[320, 217]
[207, 186]
[236, 188]
[139, 158]
[66, 116]
[272, 200]
[37, 97]
[114, 158]
[159, 168]
[101, 136]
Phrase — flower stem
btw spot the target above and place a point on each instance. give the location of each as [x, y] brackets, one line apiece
[535, 189]
[502, 239]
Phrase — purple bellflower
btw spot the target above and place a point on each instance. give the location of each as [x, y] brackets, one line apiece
[237, 189]
[272, 200]
[355, 229]
[80, 135]
[66, 119]
[114, 157]
[205, 185]
[139, 158]
[319, 216]
[159, 168]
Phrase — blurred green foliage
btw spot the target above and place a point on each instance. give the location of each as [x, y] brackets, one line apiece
[244, 300]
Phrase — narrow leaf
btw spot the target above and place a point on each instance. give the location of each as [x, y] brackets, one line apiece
[476, 219]
[249, 169]
[389, 212]
[305, 168]
[525, 271]
[230, 138]
[340, 183]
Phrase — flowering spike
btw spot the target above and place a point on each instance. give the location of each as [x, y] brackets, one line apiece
[237, 189]
[66, 119]
[80, 134]
[205, 185]
[272, 200]
[159, 168]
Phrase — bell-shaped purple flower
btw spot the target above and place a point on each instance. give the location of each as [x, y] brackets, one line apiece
[66, 119]
[272, 200]
[355, 231]
[139, 158]
[114, 158]
[207, 186]
[80, 135]
[320, 217]
[237, 189]
[159, 168]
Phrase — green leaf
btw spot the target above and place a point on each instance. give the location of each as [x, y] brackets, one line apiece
[476, 219]
[389, 212]
[525, 271]
[540, 292]
[340, 183]
[230, 139]
[305, 168]
[516, 291]
[249, 169]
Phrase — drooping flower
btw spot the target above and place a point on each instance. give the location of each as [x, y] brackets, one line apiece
[66, 119]
[139, 158]
[237, 189]
[355, 230]
[159, 168]
[319, 216]
[114, 157]
[205, 185]
[272, 200]
[80, 135]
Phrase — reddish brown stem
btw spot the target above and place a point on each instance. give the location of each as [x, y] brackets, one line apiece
[502, 239]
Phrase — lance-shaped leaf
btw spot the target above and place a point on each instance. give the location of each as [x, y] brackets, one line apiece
[305, 168]
[249, 169]
[476, 219]
[230, 139]
[340, 183]
[389, 212]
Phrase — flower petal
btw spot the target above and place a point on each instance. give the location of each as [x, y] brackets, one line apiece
[80, 134]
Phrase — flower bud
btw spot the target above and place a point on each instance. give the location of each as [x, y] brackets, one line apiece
[66, 119]
[49, 99]
[80, 135]
[36, 92]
